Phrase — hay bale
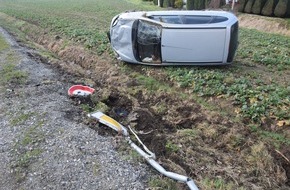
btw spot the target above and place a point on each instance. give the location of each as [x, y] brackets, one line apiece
[288, 10]
[242, 5]
[281, 8]
[249, 5]
[268, 8]
[189, 4]
[257, 7]
[199, 4]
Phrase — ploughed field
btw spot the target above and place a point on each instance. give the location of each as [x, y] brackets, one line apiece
[226, 127]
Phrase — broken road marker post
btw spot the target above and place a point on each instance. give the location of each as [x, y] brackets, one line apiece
[149, 156]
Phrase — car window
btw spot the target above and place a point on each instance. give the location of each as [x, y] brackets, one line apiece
[172, 19]
[147, 47]
[218, 19]
[197, 19]
[188, 19]
[148, 33]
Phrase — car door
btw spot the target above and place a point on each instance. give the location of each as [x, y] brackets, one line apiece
[193, 44]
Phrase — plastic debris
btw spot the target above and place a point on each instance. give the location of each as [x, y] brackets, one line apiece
[80, 90]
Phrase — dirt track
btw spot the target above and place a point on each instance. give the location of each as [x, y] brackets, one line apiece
[43, 141]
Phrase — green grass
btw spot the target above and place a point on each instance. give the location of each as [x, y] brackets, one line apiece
[276, 138]
[171, 147]
[218, 184]
[267, 49]
[162, 183]
[85, 22]
[254, 98]
[20, 119]
[256, 93]
[3, 44]
[26, 150]
[10, 74]
[288, 22]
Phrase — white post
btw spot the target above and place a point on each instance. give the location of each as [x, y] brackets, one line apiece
[158, 3]
[233, 4]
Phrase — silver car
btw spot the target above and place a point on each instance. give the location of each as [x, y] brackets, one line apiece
[175, 37]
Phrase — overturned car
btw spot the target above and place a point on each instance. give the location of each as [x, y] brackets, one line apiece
[175, 37]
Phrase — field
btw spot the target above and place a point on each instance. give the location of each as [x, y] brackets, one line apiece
[226, 127]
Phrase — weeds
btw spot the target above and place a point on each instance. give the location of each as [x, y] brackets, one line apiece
[84, 22]
[218, 184]
[171, 147]
[254, 98]
[3, 44]
[162, 183]
[9, 74]
[269, 49]
[26, 150]
[21, 118]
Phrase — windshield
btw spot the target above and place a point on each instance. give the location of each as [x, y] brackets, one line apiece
[148, 33]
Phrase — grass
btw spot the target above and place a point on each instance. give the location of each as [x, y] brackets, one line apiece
[255, 94]
[254, 99]
[26, 150]
[8, 71]
[270, 50]
[276, 138]
[171, 147]
[85, 22]
[162, 183]
[218, 184]
[21, 118]
[10, 74]
[151, 84]
[288, 22]
[3, 44]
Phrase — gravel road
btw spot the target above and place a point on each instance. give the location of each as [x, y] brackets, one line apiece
[43, 143]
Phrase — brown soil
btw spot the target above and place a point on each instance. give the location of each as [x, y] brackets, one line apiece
[208, 144]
